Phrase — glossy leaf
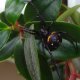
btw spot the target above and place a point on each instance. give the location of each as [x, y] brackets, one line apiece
[46, 73]
[49, 9]
[65, 51]
[72, 30]
[4, 36]
[13, 35]
[21, 19]
[3, 18]
[13, 9]
[31, 57]
[3, 26]
[75, 15]
[20, 60]
[7, 50]
[67, 13]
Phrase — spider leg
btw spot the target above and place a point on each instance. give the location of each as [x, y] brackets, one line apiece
[43, 47]
[34, 32]
[75, 45]
[54, 63]
[41, 18]
[30, 31]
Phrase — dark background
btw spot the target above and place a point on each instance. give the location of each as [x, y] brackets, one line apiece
[64, 1]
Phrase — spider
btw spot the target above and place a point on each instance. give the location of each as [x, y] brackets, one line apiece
[50, 40]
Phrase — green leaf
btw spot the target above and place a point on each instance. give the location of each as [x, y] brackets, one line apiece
[13, 9]
[65, 51]
[31, 57]
[21, 19]
[3, 18]
[72, 29]
[76, 17]
[4, 36]
[46, 73]
[7, 50]
[67, 13]
[13, 35]
[49, 9]
[4, 26]
[20, 60]
[61, 71]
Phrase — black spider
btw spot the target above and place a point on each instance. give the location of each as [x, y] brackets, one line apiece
[50, 40]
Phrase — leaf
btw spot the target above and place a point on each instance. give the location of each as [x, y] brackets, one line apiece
[21, 19]
[3, 18]
[49, 9]
[4, 26]
[61, 72]
[13, 35]
[20, 60]
[76, 17]
[31, 57]
[13, 9]
[46, 73]
[7, 50]
[67, 13]
[65, 51]
[71, 29]
[4, 36]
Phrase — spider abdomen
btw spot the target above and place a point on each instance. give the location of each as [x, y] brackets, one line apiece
[53, 40]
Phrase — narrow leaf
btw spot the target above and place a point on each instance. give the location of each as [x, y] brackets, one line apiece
[67, 13]
[71, 30]
[76, 17]
[7, 50]
[21, 19]
[46, 73]
[4, 36]
[20, 60]
[65, 51]
[3, 26]
[31, 57]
